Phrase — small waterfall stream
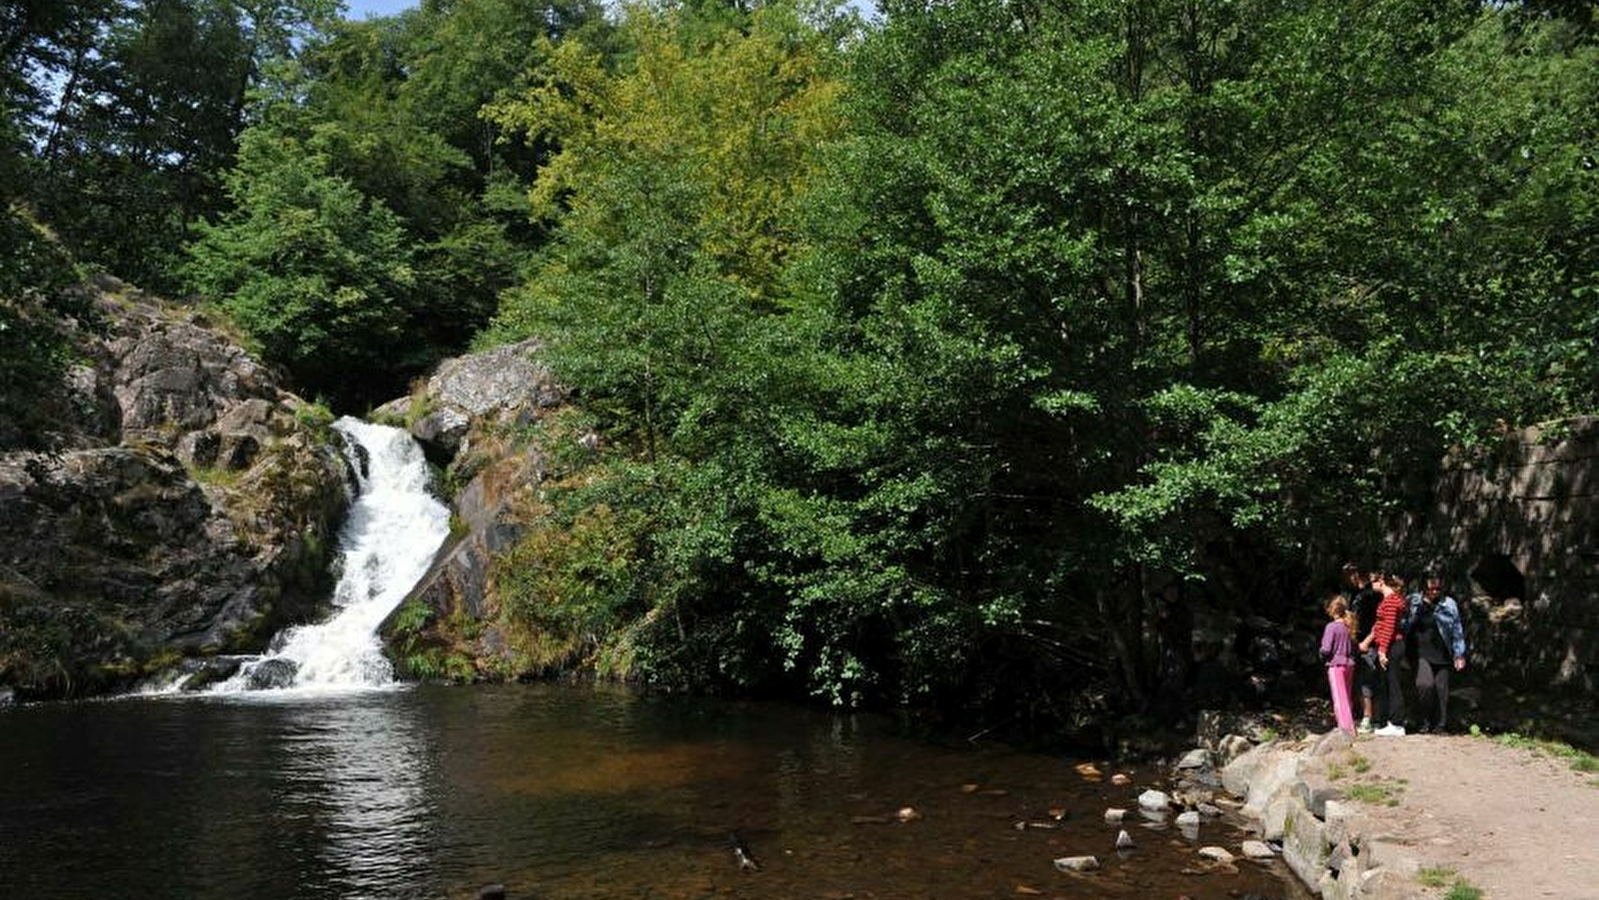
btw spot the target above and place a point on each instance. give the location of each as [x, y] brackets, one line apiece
[386, 544]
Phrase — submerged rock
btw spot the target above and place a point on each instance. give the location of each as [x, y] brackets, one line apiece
[1077, 863]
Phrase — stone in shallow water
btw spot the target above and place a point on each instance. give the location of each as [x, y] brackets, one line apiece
[1113, 816]
[1188, 819]
[1154, 801]
[1077, 863]
[1217, 854]
[1124, 841]
[1257, 850]
[269, 674]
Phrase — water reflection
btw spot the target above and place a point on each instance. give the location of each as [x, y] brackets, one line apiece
[556, 792]
[365, 761]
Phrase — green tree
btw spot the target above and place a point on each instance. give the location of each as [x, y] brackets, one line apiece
[314, 271]
[674, 190]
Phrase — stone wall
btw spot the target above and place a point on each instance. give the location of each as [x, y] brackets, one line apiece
[1514, 530]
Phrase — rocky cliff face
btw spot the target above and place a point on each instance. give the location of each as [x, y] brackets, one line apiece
[186, 506]
[474, 416]
[1514, 530]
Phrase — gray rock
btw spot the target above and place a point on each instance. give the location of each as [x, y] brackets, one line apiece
[1124, 841]
[114, 539]
[1332, 742]
[1114, 816]
[1231, 747]
[1153, 801]
[1257, 850]
[1197, 758]
[1188, 819]
[210, 671]
[1215, 854]
[1077, 863]
[506, 383]
[269, 674]
[491, 892]
[1209, 810]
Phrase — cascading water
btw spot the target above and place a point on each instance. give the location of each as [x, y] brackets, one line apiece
[393, 530]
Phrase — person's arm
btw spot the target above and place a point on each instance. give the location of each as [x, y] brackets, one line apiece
[1457, 633]
[1327, 635]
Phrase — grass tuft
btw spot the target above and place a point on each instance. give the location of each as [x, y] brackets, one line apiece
[1579, 760]
[1378, 794]
[1435, 876]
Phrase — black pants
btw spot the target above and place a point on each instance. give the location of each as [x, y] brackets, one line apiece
[1432, 678]
[1394, 697]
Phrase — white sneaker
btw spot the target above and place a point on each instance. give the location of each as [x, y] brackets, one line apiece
[1365, 726]
[1391, 730]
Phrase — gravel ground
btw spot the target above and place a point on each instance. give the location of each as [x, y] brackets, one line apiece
[1516, 823]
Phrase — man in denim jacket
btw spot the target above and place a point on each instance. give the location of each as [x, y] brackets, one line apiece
[1435, 630]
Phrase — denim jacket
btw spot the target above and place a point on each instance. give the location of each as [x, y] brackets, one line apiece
[1446, 614]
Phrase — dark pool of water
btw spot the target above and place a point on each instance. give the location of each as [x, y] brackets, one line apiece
[555, 791]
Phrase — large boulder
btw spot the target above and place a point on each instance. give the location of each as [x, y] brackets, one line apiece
[473, 412]
[186, 508]
[506, 384]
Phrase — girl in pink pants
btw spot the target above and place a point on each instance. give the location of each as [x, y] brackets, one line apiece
[1337, 648]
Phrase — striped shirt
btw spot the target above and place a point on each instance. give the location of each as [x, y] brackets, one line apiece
[1386, 631]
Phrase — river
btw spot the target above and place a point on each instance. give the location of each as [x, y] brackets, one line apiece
[556, 791]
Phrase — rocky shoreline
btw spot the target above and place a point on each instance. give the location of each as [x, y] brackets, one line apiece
[1422, 816]
[1328, 841]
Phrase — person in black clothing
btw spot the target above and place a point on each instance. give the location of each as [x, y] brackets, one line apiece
[1440, 644]
[1363, 599]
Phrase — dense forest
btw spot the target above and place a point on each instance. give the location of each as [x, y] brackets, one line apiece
[926, 351]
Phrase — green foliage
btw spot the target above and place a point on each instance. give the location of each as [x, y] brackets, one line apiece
[412, 616]
[1435, 876]
[34, 352]
[1463, 890]
[1380, 793]
[1579, 760]
[310, 268]
[150, 102]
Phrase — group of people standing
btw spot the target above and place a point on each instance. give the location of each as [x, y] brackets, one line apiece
[1373, 627]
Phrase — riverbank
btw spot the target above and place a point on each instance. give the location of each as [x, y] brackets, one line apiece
[1424, 816]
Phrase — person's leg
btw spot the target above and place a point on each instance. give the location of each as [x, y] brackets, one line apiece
[1366, 674]
[1338, 684]
[1442, 687]
[1426, 684]
[1396, 689]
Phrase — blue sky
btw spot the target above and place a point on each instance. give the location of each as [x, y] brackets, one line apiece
[360, 9]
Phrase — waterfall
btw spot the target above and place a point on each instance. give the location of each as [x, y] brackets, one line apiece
[386, 545]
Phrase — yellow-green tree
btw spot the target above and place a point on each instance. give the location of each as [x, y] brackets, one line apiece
[681, 162]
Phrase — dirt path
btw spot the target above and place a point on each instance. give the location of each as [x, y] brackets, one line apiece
[1514, 822]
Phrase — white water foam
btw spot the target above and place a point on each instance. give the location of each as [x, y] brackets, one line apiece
[388, 541]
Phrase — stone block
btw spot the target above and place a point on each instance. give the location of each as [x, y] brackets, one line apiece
[1274, 815]
[1338, 815]
[1305, 845]
[1391, 855]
